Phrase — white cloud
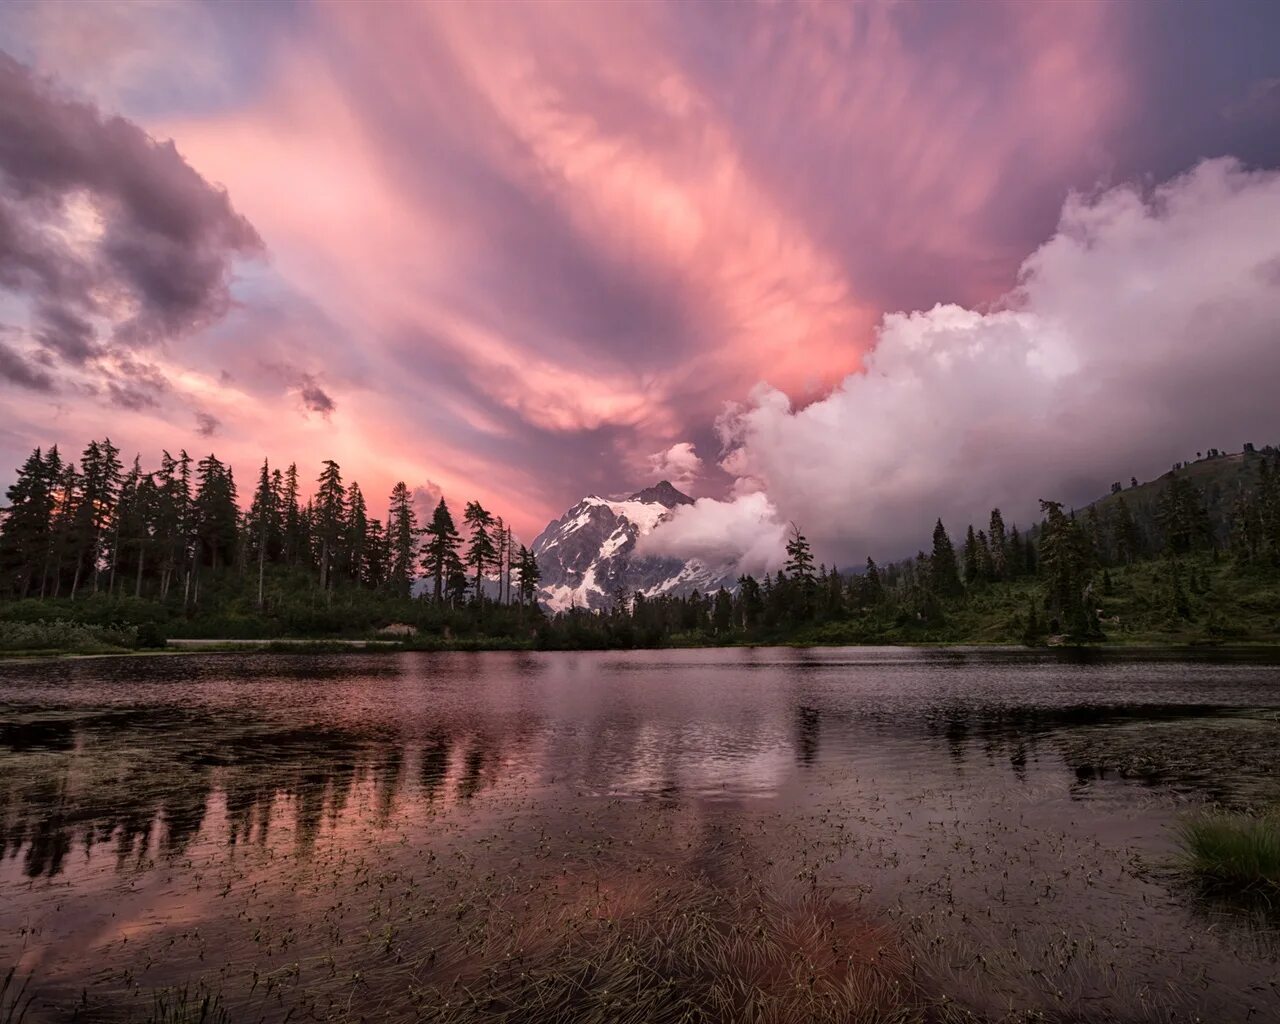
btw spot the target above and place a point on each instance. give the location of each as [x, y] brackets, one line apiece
[746, 532]
[1145, 329]
[679, 464]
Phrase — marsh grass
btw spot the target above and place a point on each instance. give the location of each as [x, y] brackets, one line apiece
[1239, 851]
[189, 1006]
[15, 1000]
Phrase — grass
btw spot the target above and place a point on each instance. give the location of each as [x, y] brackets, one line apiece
[1236, 850]
[15, 1000]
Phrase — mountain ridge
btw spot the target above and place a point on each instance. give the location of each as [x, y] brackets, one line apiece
[587, 557]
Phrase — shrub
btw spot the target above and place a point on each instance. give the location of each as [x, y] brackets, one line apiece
[60, 635]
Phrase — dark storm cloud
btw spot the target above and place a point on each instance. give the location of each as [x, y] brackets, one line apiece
[133, 384]
[314, 397]
[17, 369]
[207, 424]
[99, 221]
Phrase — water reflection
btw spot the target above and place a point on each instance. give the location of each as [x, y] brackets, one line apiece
[136, 795]
[135, 764]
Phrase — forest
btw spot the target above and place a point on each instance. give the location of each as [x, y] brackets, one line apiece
[95, 556]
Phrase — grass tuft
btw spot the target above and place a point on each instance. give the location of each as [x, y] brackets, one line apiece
[1237, 850]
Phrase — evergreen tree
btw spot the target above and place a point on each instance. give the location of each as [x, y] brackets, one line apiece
[528, 576]
[872, 587]
[402, 541]
[1124, 532]
[291, 512]
[944, 575]
[481, 553]
[440, 553]
[999, 546]
[215, 513]
[25, 528]
[972, 561]
[261, 520]
[377, 560]
[750, 602]
[357, 539]
[329, 519]
[722, 613]
[803, 583]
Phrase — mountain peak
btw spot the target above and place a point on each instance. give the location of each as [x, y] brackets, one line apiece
[663, 493]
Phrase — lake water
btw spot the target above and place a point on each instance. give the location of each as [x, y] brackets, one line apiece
[676, 835]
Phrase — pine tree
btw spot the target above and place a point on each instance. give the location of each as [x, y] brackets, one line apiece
[357, 537]
[291, 512]
[1062, 562]
[262, 514]
[173, 518]
[440, 553]
[802, 584]
[750, 602]
[944, 575]
[377, 558]
[722, 613]
[528, 576]
[402, 541]
[972, 561]
[215, 513]
[999, 546]
[872, 587]
[481, 553]
[25, 528]
[1124, 531]
[329, 519]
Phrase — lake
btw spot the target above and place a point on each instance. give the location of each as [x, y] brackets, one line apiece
[709, 835]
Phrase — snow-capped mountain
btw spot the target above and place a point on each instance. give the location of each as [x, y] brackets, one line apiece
[586, 556]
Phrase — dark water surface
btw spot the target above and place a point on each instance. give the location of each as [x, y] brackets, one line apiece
[695, 835]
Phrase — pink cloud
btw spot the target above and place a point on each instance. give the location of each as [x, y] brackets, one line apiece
[519, 249]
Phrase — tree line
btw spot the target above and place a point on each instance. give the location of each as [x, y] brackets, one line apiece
[176, 538]
[70, 529]
[1060, 569]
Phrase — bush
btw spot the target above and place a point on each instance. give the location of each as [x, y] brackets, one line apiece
[1239, 850]
[150, 636]
[60, 635]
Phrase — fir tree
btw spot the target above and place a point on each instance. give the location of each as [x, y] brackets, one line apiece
[329, 519]
[402, 541]
[999, 546]
[481, 552]
[944, 575]
[440, 553]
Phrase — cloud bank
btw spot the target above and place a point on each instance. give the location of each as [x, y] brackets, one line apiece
[1146, 328]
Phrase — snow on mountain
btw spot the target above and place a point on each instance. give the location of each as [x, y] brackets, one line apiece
[586, 556]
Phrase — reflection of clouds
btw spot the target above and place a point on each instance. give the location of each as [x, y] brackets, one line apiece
[699, 761]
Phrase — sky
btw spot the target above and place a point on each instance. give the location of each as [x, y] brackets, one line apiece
[853, 266]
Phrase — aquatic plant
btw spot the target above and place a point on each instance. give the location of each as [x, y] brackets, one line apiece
[1233, 849]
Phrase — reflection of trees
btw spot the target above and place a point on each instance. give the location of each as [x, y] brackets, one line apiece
[808, 725]
[1229, 754]
[433, 765]
[143, 780]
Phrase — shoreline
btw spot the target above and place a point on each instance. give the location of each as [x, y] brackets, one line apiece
[338, 645]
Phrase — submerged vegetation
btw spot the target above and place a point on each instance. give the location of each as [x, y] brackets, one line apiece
[137, 556]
